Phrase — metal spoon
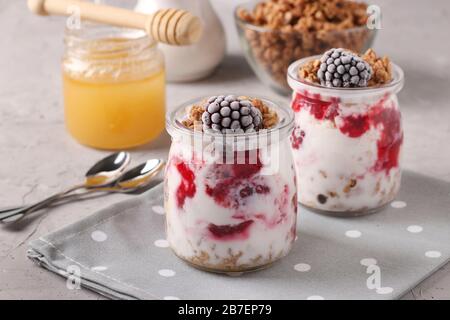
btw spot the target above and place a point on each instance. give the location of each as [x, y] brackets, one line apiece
[131, 181]
[134, 179]
[103, 173]
[140, 176]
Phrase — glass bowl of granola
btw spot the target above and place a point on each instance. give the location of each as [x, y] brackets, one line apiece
[275, 33]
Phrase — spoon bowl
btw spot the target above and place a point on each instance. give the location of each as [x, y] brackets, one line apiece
[141, 175]
[107, 170]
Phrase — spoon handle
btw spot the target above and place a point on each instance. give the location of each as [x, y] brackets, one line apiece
[9, 213]
[12, 215]
[15, 214]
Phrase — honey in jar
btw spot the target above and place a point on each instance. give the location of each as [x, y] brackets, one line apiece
[114, 87]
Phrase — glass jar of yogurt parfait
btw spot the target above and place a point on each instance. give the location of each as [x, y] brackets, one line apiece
[346, 144]
[230, 199]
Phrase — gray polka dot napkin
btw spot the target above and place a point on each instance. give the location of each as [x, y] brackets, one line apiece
[121, 252]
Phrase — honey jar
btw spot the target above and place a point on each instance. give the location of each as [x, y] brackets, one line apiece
[114, 87]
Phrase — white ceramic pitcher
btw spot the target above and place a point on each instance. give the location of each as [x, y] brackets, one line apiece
[196, 61]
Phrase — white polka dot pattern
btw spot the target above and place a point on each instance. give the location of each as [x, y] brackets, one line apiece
[99, 236]
[353, 234]
[385, 290]
[398, 204]
[161, 243]
[414, 229]
[166, 273]
[302, 267]
[99, 268]
[158, 210]
[433, 254]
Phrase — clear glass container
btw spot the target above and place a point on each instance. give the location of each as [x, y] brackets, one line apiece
[231, 203]
[270, 52]
[114, 87]
[347, 144]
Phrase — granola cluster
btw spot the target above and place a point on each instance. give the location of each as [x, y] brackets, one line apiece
[381, 68]
[309, 71]
[295, 29]
[270, 117]
[194, 118]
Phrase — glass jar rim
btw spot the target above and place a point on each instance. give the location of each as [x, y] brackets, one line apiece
[93, 32]
[285, 125]
[300, 84]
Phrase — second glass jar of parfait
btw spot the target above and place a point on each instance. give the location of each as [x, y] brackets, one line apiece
[346, 144]
[230, 200]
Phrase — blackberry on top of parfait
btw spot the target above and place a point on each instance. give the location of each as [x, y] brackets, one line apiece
[342, 68]
[230, 114]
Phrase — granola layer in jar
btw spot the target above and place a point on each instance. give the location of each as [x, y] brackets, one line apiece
[230, 199]
[346, 142]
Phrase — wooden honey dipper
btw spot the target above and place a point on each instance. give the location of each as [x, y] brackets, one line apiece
[170, 26]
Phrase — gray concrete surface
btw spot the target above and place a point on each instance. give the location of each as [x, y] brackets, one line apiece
[37, 157]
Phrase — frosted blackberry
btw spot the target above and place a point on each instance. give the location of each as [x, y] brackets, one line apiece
[340, 68]
[230, 114]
